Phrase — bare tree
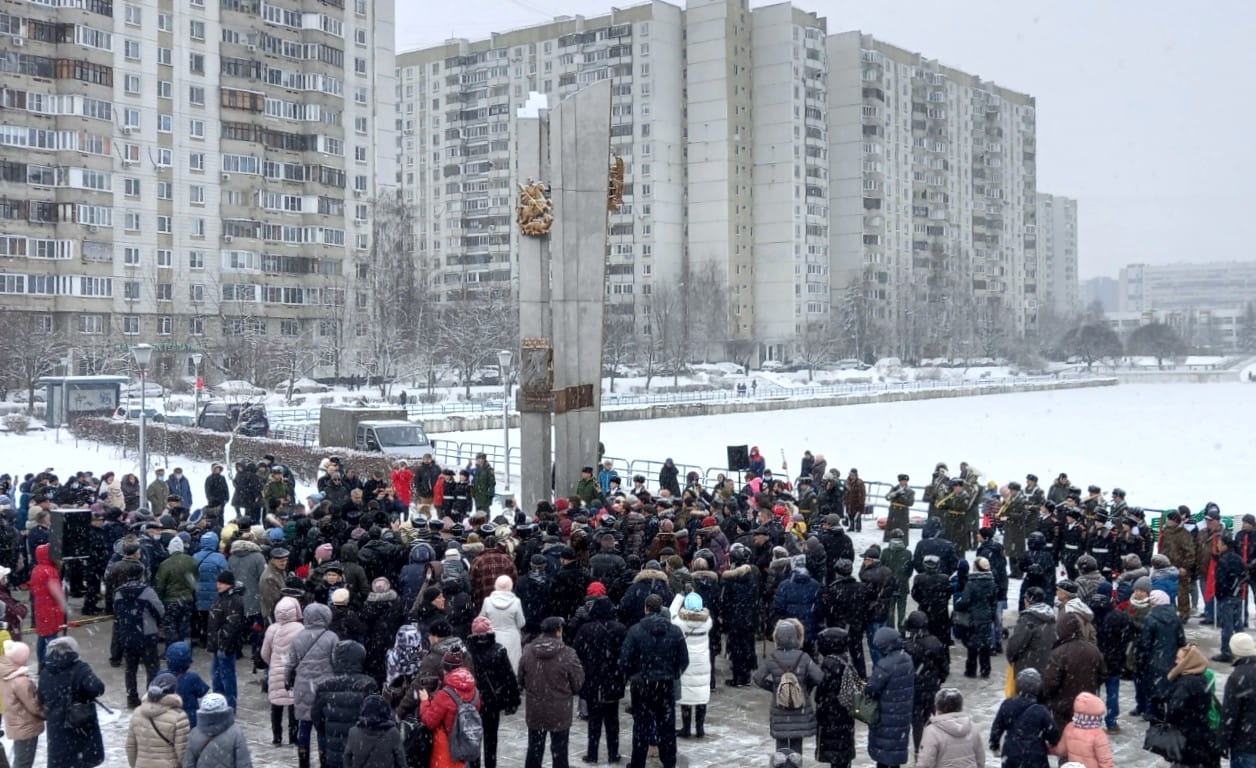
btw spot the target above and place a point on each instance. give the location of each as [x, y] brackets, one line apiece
[31, 347]
[817, 348]
[706, 308]
[619, 342]
[469, 332]
[668, 334]
[393, 309]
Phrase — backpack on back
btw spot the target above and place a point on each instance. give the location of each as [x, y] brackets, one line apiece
[789, 691]
[467, 733]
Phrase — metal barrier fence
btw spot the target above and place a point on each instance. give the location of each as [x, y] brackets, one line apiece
[493, 407]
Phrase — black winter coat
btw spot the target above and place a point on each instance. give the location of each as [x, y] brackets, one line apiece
[892, 684]
[654, 650]
[932, 592]
[494, 675]
[1029, 732]
[993, 551]
[882, 588]
[338, 699]
[932, 660]
[1155, 650]
[533, 591]
[835, 727]
[846, 604]
[837, 545]
[1238, 709]
[67, 679]
[216, 492]
[1033, 637]
[598, 643]
[1187, 710]
[646, 583]
[739, 596]
[935, 545]
[980, 595]
[567, 590]
[382, 615]
[1113, 634]
[225, 626]
[374, 748]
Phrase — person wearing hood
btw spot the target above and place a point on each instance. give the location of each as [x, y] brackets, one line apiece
[1238, 709]
[401, 665]
[1187, 708]
[416, 573]
[375, 741]
[209, 562]
[1033, 637]
[598, 643]
[48, 600]
[439, 708]
[338, 700]
[1076, 666]
[933, 543]
[216, 741]
[653, 658]
[1164, 576]
[798, 597]
[356, 579]
[690, 615]
[382, 615]
[175, 582]
[950, 740]
[137, 614]
[933, 666]
[1113, 636]
[1023, 729]
[248, 564]
[650, 581]
[789, 726]
[1083, 740]
[158, 735]
[1131, 571]
[23, 711]
[189, 684]
[892, 686]
[309, 662]
[1155, 654]
[67, 680]
[898, 558]
[551, 676]
[496, 682]
[276, 646]
[503, 609]
[835, 726]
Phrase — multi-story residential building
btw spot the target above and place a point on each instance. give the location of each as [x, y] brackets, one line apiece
[933, 208]
[1103, 290]
[1215, 330]
[1057, 253]
[1182, 286]
[192, 173]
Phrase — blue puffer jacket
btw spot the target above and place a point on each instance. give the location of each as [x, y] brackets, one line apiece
[799, 598]
[414, 573]
[190, 686]
[892, 684]
[209, 563]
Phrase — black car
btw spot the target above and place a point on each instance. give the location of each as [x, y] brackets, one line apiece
[250, 418]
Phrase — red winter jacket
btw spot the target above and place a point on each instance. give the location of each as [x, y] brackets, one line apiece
[402, 483]
[439, 710]
[48, 595]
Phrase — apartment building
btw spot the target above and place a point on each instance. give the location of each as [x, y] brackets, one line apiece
[933, 208]
[1184, 286]
[1057, 253]
[190, 173]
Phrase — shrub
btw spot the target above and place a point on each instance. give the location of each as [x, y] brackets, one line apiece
[17, 423]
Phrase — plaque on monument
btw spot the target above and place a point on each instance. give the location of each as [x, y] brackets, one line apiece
[536, 376]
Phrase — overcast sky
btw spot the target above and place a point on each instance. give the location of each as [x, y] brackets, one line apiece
[1146, 110]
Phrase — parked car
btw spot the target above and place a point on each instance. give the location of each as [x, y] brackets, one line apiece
[223, 416]
[238, 388]
[131, 411]
[851, 364]
[150, 389]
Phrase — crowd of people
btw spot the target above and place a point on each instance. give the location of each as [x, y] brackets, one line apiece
[400, 619]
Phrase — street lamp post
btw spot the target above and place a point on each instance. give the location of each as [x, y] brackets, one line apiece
[143, 356]
[503, 362]
[196, 387]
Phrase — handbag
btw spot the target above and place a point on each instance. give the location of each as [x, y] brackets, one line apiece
[81, 715]
[290, 674]
[1166, 741]
[866, 709]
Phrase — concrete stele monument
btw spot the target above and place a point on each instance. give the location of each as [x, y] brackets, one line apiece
[562, 177]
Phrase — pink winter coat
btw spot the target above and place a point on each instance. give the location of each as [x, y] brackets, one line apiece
[275, 649]
[1084, 740]
[23, 711]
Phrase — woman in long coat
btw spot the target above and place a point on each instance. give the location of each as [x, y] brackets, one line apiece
[789, 726]
[67, 680]
[275, 647]
[835, 727]
[694, 621]
[892, 685]
[504, 610]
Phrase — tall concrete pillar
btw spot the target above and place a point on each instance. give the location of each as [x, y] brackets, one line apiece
[535, 323]
[580, 128]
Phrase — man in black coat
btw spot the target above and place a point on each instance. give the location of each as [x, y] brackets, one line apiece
[217, 494]
[599, 643]
[846, 602]
[932, 592]
[569, 586]
[932, 543]
[1230, 576]
[739, 596]
[224, 633]
[338, 700]
[933, 665]
[650, 581]
[533, 590]
[837, 545]
[653, 657]
[992, 551]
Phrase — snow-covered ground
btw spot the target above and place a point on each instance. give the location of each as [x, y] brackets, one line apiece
[1166, 444]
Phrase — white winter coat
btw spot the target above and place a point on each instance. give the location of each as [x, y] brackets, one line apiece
[695, 682]
[505, 611]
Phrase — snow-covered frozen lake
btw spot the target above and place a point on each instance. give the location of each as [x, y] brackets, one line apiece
[1165, 444]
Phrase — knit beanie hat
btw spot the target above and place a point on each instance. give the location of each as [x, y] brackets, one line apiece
[322, 553]
[481, 626]
[213, 702]
[340, 597]
[596, 589]
[693, 602]
[380, 585]
[162, 685]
